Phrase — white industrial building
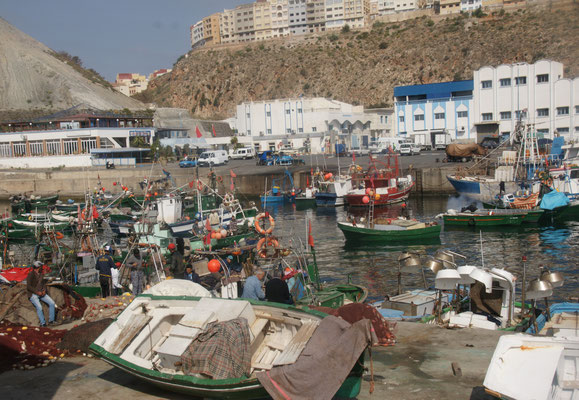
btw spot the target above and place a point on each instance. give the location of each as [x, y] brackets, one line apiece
[470, 5]
[435, 108]
[532, 93]
[316, 123]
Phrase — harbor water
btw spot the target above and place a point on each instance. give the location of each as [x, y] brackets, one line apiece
[376, 266]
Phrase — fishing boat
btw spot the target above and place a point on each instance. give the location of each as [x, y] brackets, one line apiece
[155, 339]
[306, 199]
[534, 367]
[382, 181]
[282, 190]
[486, 217]
[331, 190]
[17, 234]
[559, 319]
[394, 230]
[35, 202]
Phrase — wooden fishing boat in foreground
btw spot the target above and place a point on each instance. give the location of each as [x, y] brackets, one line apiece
[153, 336]
[485, 218]
[396, 230]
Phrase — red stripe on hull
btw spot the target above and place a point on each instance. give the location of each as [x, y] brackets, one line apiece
[355, 200]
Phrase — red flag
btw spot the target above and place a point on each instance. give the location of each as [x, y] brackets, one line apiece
[213, 129]
[233, 175]
[207, 239]
[198, 132]
[191, 184]
[232, 186]
[310, 237]
[307, 181]
[208, 225]
[354, 158]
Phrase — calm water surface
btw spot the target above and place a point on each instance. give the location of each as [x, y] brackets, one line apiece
[376, 266]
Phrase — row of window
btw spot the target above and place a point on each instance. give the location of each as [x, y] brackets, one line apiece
[420, 117]
[541, 112]
[519, 80]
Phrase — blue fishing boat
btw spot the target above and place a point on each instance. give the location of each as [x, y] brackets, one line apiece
[282, 190]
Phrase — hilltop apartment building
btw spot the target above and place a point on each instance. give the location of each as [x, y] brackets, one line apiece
[130, 84]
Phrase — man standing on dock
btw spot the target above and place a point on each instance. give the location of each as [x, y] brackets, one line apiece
[104, 264]
[36, 287]
[177, 267]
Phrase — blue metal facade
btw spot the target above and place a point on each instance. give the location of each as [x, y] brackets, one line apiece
[442, 90]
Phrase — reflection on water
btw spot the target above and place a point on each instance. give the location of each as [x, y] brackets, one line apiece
[376, 266]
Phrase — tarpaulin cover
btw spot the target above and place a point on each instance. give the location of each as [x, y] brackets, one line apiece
[178, 287]
[16, 274]
[323, 365]
[220, 352]
[554, 200]
[464, 150]
[354, 312]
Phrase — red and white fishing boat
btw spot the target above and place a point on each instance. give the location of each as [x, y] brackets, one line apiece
[383, 181]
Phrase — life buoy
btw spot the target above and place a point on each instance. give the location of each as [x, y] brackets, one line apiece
[264, 244]
[59, 235]
[85, 244]
[199, 185]
[471, 222]
[258, 227]
[219, 178]
[550, 181]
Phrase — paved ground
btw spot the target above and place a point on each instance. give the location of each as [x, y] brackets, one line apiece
[417, 367]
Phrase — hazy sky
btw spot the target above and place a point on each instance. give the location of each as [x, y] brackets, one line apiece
[114, 36]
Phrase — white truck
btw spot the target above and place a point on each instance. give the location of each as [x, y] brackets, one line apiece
[423, 141]
[441, 140]
[384, 143]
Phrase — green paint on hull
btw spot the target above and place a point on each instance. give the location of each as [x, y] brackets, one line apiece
[356, 233]
[483, 220]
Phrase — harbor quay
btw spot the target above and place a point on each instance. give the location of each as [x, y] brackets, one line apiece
[418, 366]
[427, 170]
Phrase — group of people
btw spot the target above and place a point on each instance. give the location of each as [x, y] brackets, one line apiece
[276, 289]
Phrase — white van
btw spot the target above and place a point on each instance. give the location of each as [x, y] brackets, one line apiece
[244, 153]
[213, 157]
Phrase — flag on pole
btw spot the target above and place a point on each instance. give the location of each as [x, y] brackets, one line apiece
[310, 237]
[208, 225]
[213, 129]
[198, 132]
[354, 158]
[233, 175]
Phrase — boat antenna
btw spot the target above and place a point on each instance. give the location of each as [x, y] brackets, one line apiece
[482, 253]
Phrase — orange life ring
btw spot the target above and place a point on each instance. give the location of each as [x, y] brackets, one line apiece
[258, 227]
[199, 185]
[264, 243]
[59, 235]
[219, 178]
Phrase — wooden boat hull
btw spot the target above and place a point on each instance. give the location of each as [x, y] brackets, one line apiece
[238, 388]
[356, 233]
[482, 220]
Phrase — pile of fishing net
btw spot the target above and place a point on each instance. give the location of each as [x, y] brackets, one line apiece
[109, 307]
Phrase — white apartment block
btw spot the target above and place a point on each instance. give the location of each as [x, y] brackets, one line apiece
[316, 15]
[262, 20]
[356, 12]
[384, 7]
[532, 93]
[334, 14]
[405, 5]
[435, 108]
[197, 34]
[470, 5]
[297, 19]
[279, 18]
[226, 26]
[320, 122]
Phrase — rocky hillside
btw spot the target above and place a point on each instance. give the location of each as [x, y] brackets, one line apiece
[35, 78]
[363, 67]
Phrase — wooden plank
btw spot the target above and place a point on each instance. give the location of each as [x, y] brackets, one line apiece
[266, 367]
[276, 318]
[297, 344]
[133, 326]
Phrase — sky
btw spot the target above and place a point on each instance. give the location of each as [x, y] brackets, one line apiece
[113, 36]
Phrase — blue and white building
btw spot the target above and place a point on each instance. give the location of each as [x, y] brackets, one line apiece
[435, 108]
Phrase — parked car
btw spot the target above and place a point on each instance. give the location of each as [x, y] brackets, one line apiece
[265, 157]
[213, 157]
[187, 163]
[408, 149]
[359, 152]
[243, 154]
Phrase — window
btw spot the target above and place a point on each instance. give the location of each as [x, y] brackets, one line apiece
[314, 129]
[487, 84]
[269, 131]
[563, 130]
[542, 112]
[401, 119]
[506, 115]
[520, 114]
[288, 130]
[487, 116]
[462, 114]
[301, 130]
[287, 111]
[505, 82]
[268, 113]
[419, 117]
[521, 80]
[438, 115]
[562, 110]
[249, 132]
[381, 119]
[248, 115]
[577, 129]
[576, 109]
[299, 110]
[542, 78]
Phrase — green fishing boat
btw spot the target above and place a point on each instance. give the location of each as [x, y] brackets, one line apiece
[40, 202]
[150, 339]
[17, 234]
[484, 218]
[398, 230]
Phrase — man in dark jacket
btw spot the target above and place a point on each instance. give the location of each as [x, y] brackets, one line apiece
[177, 267]
[276, 290]
[104, 263]
[191, 275]
[36, 288]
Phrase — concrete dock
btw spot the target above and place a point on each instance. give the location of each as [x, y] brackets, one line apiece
[417, 367]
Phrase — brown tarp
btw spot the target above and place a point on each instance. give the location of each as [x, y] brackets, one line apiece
[324, 364]
[15, 306]
[465, 150]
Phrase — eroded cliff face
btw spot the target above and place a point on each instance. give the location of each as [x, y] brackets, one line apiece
[363, 67]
